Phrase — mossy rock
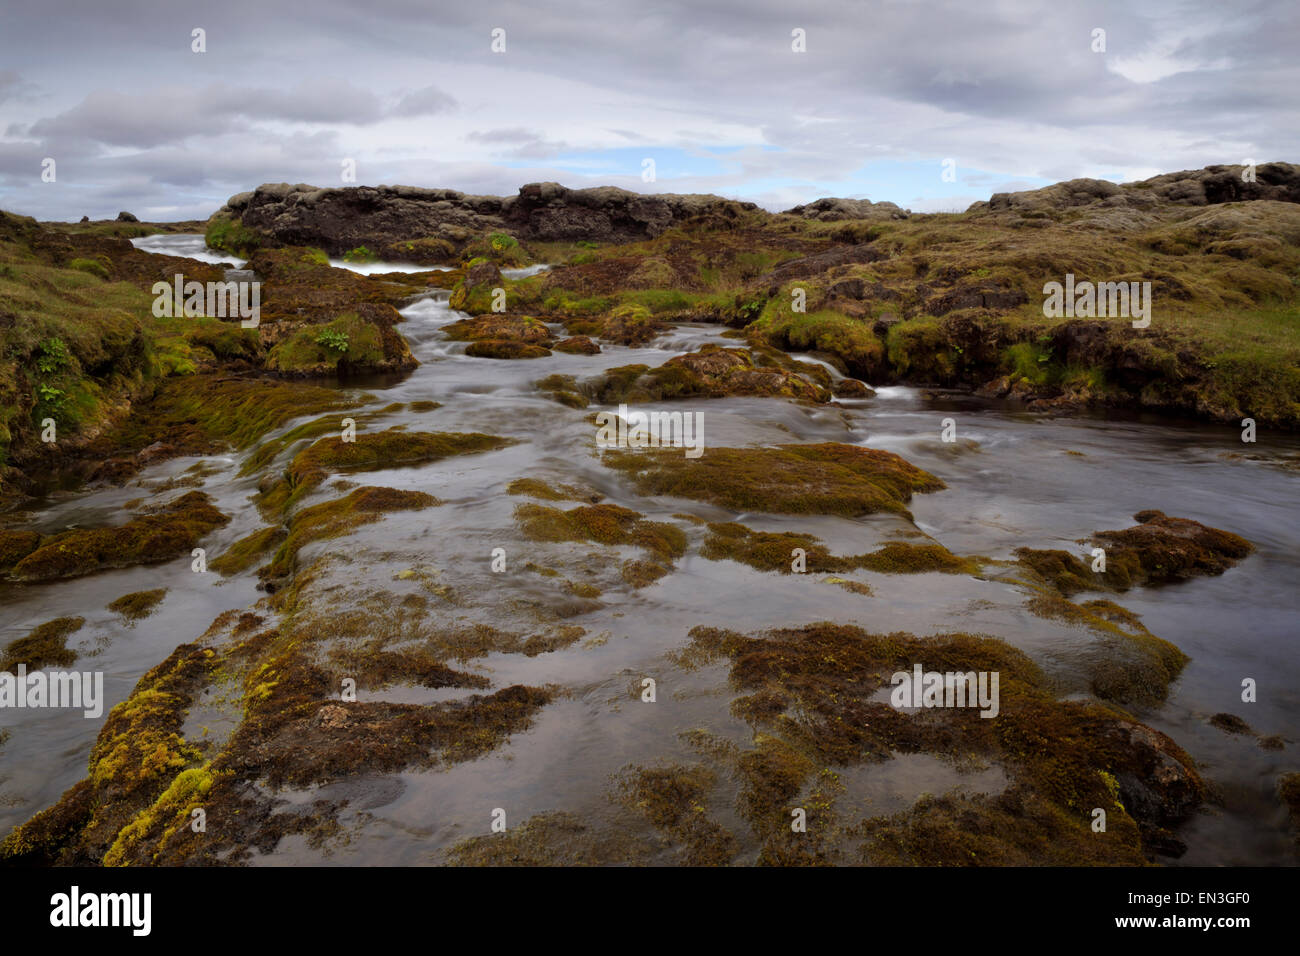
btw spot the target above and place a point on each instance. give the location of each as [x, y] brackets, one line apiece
[827, 478]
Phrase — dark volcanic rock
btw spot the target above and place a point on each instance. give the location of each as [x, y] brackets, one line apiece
[126, 217]
[339, 219]
[830, 209]
[1192, 187]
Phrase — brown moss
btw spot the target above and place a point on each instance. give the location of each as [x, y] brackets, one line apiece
[827, 478]
[389, 449]
[605, 524]
[16, 545]
[811, 693]
[156, 535]
[44, 646]
[563, 389]
[673, 799]
[1172, 549]
[535, 488]
[1231, 724]
[1288, 788]
[373, 667]
[330, 519]
[505, 349]
[139, 604]
[551, 839]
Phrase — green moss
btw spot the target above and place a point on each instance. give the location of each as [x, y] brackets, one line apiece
[349, 341]
[827, 478]
[94, 266]
[139, 604]
[170, 811]
[45, 646]
[158, 535]
[241, 555]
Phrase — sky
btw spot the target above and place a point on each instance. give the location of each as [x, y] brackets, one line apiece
[932, 105]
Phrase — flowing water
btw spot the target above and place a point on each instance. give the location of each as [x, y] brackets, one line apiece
[1014, 480]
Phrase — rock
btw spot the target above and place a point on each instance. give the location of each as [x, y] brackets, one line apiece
[852, 388]
[155, 452]
[1195, 187]
[339, 219]
[505, 349]
[1159, 788]
[483, 273]
[577, 345]
[85, 219]
[126, 217]
[500, 327]
[829, 209]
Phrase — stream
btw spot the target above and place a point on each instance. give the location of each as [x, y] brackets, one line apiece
[1015, 479]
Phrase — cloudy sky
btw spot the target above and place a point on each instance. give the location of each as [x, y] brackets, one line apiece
[586, 91]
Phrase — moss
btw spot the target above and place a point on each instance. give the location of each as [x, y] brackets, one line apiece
[373, 667]
[606, 524]
[44, 646]
[201, 413]
[139, 604]
[1288, 788]
[154, 536]
[535, 488]
[551, 839]
[241, 555]
[331, 519]
[1173, 549]
[673, 799]
[900, 557]
[16, 545]
[563, 389]
[1129, 664]
[94, 266]
[826, 478]
[499, 327]
[170, 811]
[765, 550]
[504, 349]
[639, 574]
[393, 448]
[349, 342]
[1157, 550]
[811, 693]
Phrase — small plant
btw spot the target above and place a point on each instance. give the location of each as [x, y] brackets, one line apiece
[54, 356]
[360, 254]
[500, 242]
[332, 339]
